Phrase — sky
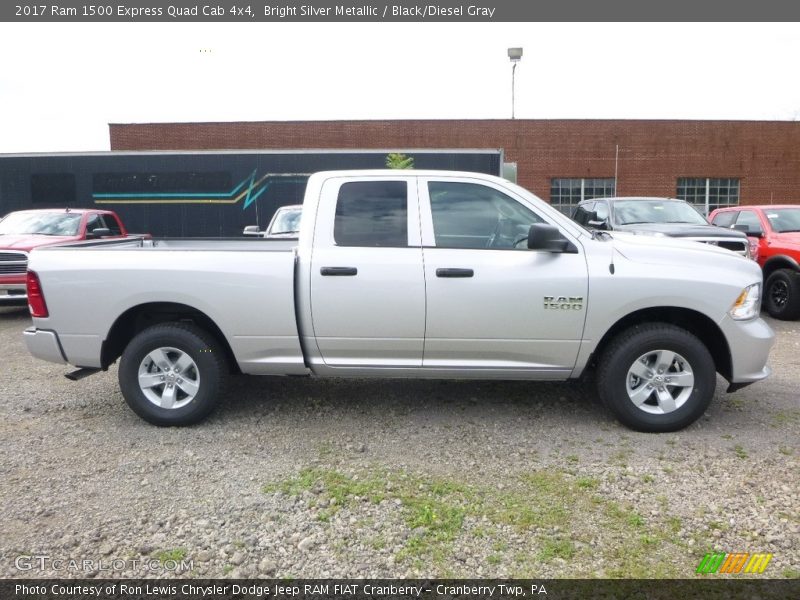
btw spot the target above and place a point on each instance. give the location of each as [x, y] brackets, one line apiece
[61, 84]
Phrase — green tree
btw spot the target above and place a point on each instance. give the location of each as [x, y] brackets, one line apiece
[399, 161]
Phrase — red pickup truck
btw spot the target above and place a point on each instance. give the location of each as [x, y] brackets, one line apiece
[774, 232]
[24, 230]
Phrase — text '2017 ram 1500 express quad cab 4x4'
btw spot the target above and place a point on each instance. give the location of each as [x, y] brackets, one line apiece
[408, 274]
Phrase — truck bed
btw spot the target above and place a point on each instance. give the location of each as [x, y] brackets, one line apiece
[245, 286]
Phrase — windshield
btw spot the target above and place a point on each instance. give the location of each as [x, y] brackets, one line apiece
[286, 221]
[24, 223]
[628, 212]
[784, 220]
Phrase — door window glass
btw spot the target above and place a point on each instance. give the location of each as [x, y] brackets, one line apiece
[372, 213]
[751, 220]
[583, 214]
[724, 219]
[93, 222]
[113, 225]
[467, 215]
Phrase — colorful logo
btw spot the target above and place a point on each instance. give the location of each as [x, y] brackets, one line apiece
[246, 191]
[741, 562]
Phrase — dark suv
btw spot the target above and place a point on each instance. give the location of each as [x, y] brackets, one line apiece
[657, 216]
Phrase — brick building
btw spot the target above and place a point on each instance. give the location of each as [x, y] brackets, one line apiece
[710, 163]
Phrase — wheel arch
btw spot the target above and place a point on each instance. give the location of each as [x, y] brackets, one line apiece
[140, 317]
[780, 261]
[693, 321]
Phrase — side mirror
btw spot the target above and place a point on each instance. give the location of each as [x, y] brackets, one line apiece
[252, 230]
[98, 232]
[542, 236]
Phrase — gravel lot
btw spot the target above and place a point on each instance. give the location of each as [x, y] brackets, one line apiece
[325, 479]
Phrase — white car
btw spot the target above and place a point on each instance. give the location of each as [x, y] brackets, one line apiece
[285, 223]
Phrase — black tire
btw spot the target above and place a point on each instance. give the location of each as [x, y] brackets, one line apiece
[782, 295]
[195, 364]
[632, 350]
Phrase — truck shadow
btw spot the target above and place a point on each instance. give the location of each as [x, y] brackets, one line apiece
[434, 402]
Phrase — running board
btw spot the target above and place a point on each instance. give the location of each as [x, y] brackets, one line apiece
[81, 373]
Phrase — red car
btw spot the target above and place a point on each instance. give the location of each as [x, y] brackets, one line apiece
[24, 230]
[774, 232]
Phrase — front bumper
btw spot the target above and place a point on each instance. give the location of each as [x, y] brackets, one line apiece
[44, 344]
[749, 343]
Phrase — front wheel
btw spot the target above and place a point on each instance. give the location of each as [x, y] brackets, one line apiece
[782, 295]
[171, 374]
[656, 377]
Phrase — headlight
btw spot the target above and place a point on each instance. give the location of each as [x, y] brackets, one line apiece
[747, 304]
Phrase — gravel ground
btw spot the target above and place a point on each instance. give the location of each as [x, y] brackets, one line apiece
[301, 478]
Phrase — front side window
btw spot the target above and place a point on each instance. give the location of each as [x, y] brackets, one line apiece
[372, 213]
[751, 220]
[113, 225]
[584, 213]
[467, 215]
[601, 211]
[94, 222]
[724, 219]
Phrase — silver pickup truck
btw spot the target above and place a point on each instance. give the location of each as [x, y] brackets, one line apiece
[407, 274]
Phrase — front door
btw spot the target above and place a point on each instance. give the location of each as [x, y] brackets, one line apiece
[492, 304]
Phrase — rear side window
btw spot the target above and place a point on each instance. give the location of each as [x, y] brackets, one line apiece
[372, 213]
[724, 219]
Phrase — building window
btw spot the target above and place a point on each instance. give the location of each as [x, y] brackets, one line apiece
[709, 193]
[565, 194]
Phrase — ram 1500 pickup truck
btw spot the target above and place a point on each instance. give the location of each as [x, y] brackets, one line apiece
[407, 274]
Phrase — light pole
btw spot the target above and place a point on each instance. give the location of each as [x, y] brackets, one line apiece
[514, 55]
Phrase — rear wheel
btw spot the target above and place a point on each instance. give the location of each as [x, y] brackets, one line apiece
[656, 377]
[171, 374]
[782, 295]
